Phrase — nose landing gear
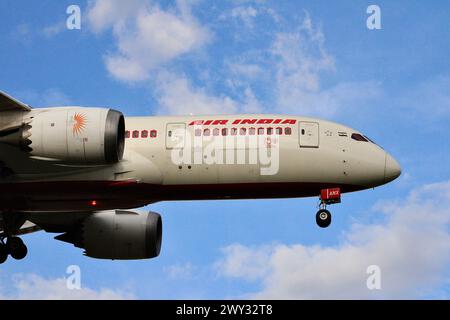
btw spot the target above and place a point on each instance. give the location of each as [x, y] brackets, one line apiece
[323, 218]
[327, 196]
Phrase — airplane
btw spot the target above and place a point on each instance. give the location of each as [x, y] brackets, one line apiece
[80, 172]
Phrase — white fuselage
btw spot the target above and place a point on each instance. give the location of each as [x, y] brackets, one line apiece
[310, 151]
[211, 157]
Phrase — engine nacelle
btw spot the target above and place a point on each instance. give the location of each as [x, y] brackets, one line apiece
[121, 235]
[76, 135]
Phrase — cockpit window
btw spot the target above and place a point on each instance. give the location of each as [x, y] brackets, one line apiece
[358, 137]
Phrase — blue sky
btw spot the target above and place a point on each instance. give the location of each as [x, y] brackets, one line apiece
[312, 58]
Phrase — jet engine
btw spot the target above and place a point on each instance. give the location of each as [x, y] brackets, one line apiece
[121, 235]
[75, 135]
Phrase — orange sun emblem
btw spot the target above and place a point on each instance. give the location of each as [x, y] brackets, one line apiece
[80, 123]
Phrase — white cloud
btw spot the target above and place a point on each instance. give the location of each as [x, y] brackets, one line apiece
[240, 76]
[292, 68]
[104, 14]
[55, 97]
[48, 98]
[246, 14]
[302, 56]
[35, 287]
[342, 97]
[430, 99]
[301, 61]
[146, 35]
[247, 70]
[181, 271]
[244, 262]
[412, 248]
[22, 33]
[251, 104]
[176, 95]
[53, 30]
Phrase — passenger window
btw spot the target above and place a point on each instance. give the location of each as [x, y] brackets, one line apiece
[252, 131]
[243, 131]
[135, 134]
[127, 134]
[198, 132]
[358, 137]
[260, 131]
[288, 131]
[206, 132]
[144, 134]
[279, 131]
[153, 134]
[269, 131]
[224, 131]
[216, 132]
[233, 131]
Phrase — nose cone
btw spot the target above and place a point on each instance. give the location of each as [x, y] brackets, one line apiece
[392, 169]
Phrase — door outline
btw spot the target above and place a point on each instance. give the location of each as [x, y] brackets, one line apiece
[170, 128]
[308, 134]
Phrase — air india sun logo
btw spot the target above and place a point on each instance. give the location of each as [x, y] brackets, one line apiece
[80, 123]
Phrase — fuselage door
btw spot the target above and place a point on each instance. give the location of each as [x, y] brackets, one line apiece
[175, 135]
[308, 134]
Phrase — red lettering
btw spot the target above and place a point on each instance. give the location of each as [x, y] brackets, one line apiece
[249, 121]
[242, 121]
[265, 121]
[196, 123]
[220, 122]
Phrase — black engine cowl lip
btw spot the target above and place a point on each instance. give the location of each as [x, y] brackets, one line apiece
[153, 235]
[114, 136]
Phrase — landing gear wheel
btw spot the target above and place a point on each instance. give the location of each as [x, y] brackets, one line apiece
[3, 253]
[323, 218]
[16, 248]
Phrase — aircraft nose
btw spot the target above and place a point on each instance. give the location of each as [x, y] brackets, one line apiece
[392, 169]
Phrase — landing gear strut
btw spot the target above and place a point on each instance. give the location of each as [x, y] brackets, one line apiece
[327, 196]
[3, 252]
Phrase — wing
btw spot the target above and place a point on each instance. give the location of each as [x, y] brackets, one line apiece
[8, 103]
[49, 222]
[27, 227]
[11, 115]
